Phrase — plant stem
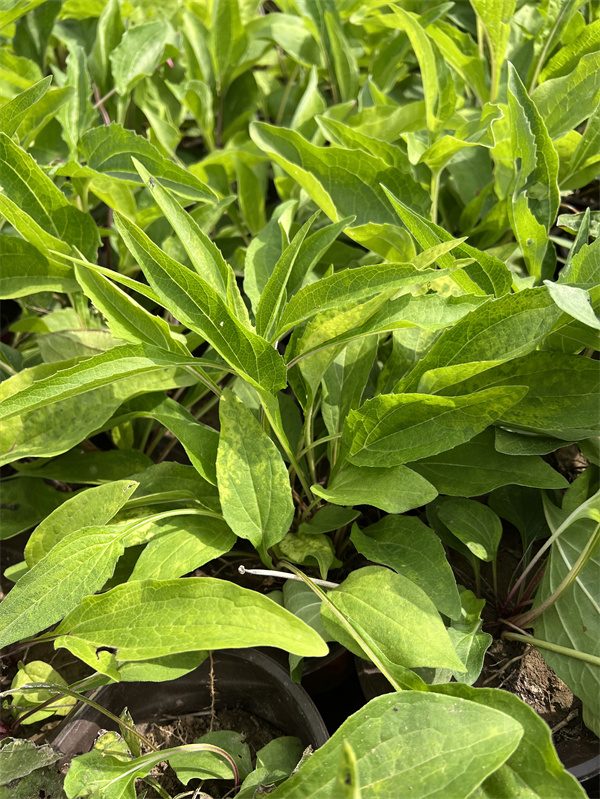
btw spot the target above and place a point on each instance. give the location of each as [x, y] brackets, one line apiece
[308, 445]
[286, 94]
[560, 650]
[435, 192]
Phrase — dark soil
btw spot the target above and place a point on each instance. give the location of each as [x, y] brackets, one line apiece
[256, 732]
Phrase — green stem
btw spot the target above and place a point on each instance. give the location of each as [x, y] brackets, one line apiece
[560, 650]
[435, 192]
[345, 623]
[319, 441]
[64, 691]
[288, 451]
[308, 443]
[286, 94]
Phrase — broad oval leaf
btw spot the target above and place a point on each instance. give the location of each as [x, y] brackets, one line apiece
[394, 615]
[253, 481]
[434, 746]
[185, 616]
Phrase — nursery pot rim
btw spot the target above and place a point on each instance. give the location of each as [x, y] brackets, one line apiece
[266, 682]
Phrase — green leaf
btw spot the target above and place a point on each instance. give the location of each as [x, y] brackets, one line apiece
[344, 382]
[217, 615]
[26, 271]
[392, 429]
[205, 256]
[341, 182]
[433, 745]
[109, 31]
[564, 103]
[253, 481]
[162, 669]
[79, 564]
[566, 58]
[538, 172]
[552, 380]
[25, 185]
[350, 285]
[199, 440]
[21, 757]
[468, 640]
[251, 197]
[488, 275]
[36, 671]
[394, 615]
[193, 301]
[209, 765]
[438, 86]
[227, 40]
[473, 523]
[328, 519]
[141, 50]
[574, 301]
[77, 114]
[394, 490]
[344, 60]
[108, 149]
[495, 16]
[308, 549]
[274, 294]
[476, 467]
[13, 11]
[533, 769]
[302, 601]
[572, 619]
[25, 502]
[498, 330]
[16, 110]
[89, 467]
[93, 507]
[184, 544]
[117, 363]
[126, 318]
[412, 549]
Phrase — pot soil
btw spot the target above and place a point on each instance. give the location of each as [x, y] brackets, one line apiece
[251, 691]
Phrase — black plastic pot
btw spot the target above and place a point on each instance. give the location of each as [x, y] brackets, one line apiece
[583, 764]
[244, 678]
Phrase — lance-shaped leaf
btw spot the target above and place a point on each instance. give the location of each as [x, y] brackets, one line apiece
[195, 302]
[205, 256]
[36, 196]
[184, 616]
[93, 507]
[533, 769]
[25, 270]
[109, 149]
[565, 102]
[351, 285]
[411, 548]
[14, 111]
[126, 318]
[254, 486]
[395, 616]
[537, 175]
[473, 523]
[495, 16]
[432, 745]
[392, 429]
[78, 565]
[476, 467]
[438, 87]
[140, 51]
[77, 114]
[574, 301]
[487, 275]
[561, 398]
[499, 330]
[115, 364]
[274, 293]
[340, 181]
[394, 490]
